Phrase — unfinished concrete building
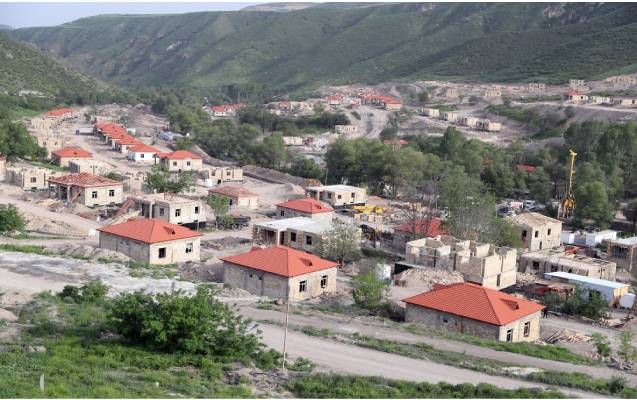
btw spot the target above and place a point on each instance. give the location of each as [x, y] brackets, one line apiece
[489, 126]
[171, 208]
[431, 112]
[299, 233]
[338, 196]
[490, 266]
[218, 175]
[87, 189]
[29, 177]
[556, 260]
[538, 231]
[623, 252]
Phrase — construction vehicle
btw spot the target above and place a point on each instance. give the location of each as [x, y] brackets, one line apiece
[568, 203]
[237, 222]
[312, 182]
[369, 209]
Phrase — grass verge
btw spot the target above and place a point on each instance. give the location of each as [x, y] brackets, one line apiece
[547, 352]
[322, 386]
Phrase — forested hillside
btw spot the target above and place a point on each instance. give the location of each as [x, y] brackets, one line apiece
[25, 68]
[305, 48]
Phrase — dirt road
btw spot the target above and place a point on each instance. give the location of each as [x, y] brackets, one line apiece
[81, 224]
[344, 358]
[350, 325]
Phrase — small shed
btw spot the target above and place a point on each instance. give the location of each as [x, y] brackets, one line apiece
[610, 291]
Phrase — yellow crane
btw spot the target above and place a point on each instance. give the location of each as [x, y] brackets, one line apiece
[568, 203]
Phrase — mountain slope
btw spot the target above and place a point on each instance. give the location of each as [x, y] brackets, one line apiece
[319, 45]
[24, 67]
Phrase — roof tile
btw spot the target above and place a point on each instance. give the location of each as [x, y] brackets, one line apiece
[150, 230]
[281, 260]
[473, 301]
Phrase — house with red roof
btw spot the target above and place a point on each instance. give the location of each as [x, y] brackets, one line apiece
[576, 97]
[529, 169]
[306, 207]
[280, 272]
[151, 240]
[126, 143]
[239, 196]
[87, 189]
[63, 156]
[416, 229]
[61, 114]
[181, 160]
[471, 309]
[142, 153]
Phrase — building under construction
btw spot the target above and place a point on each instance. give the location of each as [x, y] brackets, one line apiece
[490, 266]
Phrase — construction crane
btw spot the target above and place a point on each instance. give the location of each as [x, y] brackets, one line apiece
[568, 203]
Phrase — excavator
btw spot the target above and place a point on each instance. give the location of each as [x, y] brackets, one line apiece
[568, 202]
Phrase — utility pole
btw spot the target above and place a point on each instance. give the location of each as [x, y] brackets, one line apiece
[285, 333]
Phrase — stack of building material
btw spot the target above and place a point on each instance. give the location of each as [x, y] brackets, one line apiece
[565, 335]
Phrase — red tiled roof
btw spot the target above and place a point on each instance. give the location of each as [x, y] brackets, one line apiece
[129, 140]
[307, 205]
[58, 112]
[181, 155]
[434, 229]
[72, 152]
[281, 260]
[233, 191]
[473, 301]
[575, 93]
[143, 148]
[84, 179]
[525, 168]
[150, 230]
[400, 142]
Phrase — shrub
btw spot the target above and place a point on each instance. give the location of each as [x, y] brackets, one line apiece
[173, 322]
[10, 219]
[343, 386]
[92, 292]
[602, 345]
[369, 291]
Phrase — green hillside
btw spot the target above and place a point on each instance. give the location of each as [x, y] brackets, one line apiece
[322, 45]
[23, 67]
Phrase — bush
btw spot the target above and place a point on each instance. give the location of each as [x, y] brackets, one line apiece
[369, 291]
[10, 219]
[92, 292]
[173, 322]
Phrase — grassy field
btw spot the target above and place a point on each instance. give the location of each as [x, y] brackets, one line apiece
[83, 360]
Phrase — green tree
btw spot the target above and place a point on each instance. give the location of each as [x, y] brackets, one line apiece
[630, 212]
[342, 243]
[602, 344]
[220, 206]
[16, 142]
[198, 324]
[306, 168]
[369, 292]
[162, 181]
[10, 219]
[592, 203]
[423, 97]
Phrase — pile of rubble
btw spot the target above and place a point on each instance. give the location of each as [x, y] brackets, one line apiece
[39, 224]
[525, 279]
[426, 278]
[564, 335]
[88, 252]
